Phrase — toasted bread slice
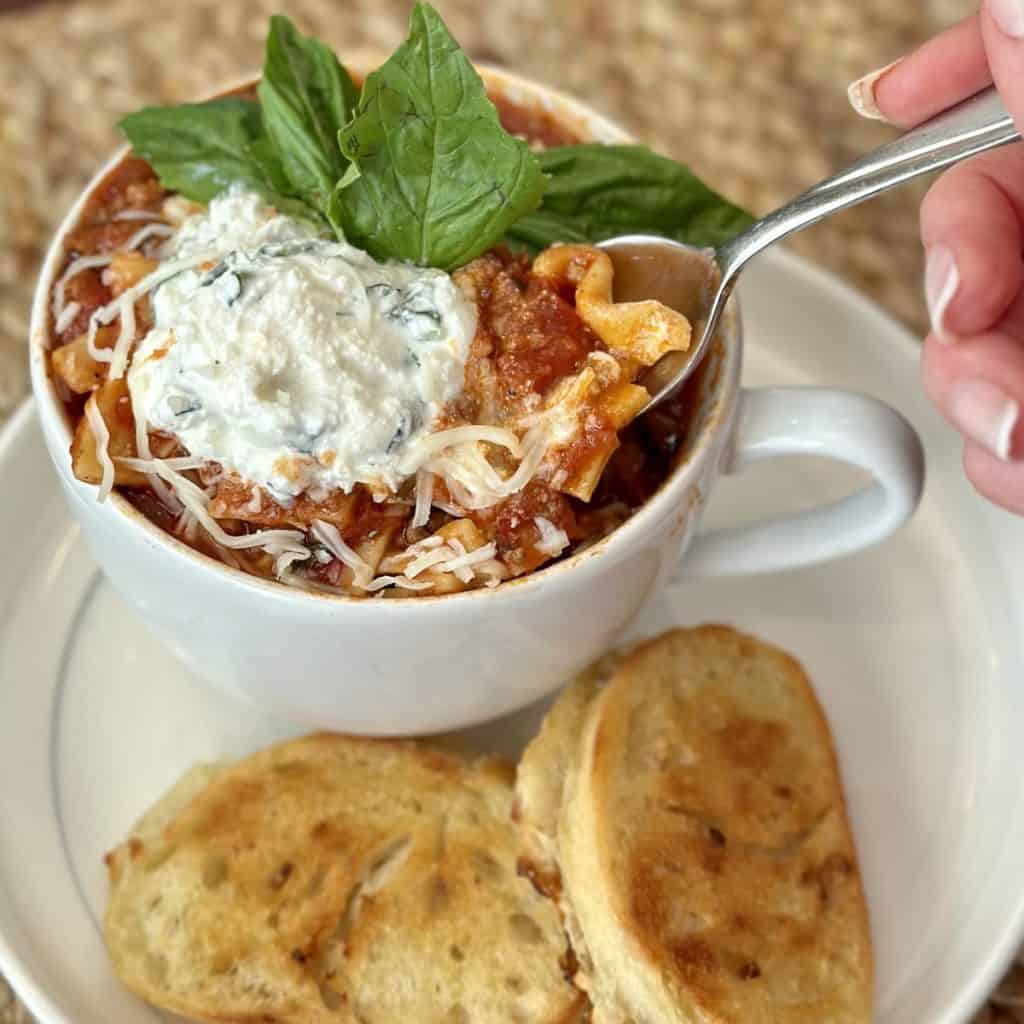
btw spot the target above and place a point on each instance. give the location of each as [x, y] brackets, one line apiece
[705, 867]
[342, 880]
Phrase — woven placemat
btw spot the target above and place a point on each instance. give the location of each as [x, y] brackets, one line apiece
[751, 93]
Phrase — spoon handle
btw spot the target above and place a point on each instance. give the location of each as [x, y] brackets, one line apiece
[978, 124]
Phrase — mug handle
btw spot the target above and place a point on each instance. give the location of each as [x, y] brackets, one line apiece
[856, 429]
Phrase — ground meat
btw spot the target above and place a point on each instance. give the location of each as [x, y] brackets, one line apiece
[528, 334]
[512, 525]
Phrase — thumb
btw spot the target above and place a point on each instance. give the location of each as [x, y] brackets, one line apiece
[1002, 28]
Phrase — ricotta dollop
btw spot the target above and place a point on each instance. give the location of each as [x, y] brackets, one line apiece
[297, 362]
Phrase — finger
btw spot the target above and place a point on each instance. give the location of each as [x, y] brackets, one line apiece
[1002, 29]
[971, 229]
[1001, 482]
[979, 387]
[939, 74]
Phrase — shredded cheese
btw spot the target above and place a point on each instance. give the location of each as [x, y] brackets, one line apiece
[553, 541]
[285, 560]
[462, 572]
[137, 215]
[195, 499]
[74, 268]
[380, 582]
[100, 432]
[149, 231]
[474, 483]
[328, 535]
[124, 307]
[255, 504]
[493, 572]
[419, 452]
[179, 464]
[427, 560]
[424, 497]
[163, 492]
[67, 317]
[471, 558]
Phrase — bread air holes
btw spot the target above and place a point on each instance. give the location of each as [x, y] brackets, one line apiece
[155, 967]
[331, 998]
[457, 1014]
[214, 871]
[438, 895]
[486, 867]
[525, 929]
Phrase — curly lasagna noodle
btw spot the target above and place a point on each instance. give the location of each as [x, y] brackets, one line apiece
[286, 404]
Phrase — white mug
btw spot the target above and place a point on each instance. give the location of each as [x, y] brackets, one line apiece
[426, 664]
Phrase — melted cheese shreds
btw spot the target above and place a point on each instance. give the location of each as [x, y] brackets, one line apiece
[74, 268]
[328, 535]
[428, 559]
[124, 306]
[180, 463]
[380, 582]
[137, 215]
[553, 541]
[471, 558]
[100, 432]
[424, 498]
[148, 232]
[67, 317]
[195, 499]
[161, 489]
[417, 454]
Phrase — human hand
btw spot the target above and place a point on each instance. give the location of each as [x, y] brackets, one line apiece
[972, 228]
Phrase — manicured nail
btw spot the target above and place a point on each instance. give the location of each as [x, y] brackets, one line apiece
[941, 280]
[862, 93]
[986, 414]
[1008, 15]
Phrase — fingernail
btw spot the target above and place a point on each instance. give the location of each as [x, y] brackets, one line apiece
[941, 280]
[862, 93]
[986, 414]
[1008, 15]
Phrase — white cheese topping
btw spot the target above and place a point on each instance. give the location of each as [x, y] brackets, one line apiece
[298, 362]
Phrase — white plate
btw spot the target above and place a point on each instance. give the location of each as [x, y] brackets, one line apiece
[916, 648]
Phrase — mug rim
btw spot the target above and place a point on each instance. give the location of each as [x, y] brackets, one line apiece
[709, 440]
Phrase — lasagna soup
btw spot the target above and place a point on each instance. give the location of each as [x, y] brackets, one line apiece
[283, 402]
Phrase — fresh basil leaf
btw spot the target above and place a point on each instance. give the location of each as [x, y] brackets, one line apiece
[200, 149]
[596, 192]
[307, 98]
[439, 180]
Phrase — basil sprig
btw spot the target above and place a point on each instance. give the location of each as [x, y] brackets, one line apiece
[439, 180]
[307, 98]
[200, 149]
[417, 167]
[596, 192]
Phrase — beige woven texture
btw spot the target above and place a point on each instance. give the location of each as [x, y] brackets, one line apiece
[751, 93]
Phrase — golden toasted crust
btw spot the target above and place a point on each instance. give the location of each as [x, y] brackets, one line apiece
[342, 880]
[704, 806]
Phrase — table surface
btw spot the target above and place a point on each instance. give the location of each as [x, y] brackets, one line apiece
[750, 93]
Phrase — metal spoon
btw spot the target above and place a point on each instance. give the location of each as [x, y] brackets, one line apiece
[698, 282]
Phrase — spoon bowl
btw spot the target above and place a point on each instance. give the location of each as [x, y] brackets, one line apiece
[698, 282]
